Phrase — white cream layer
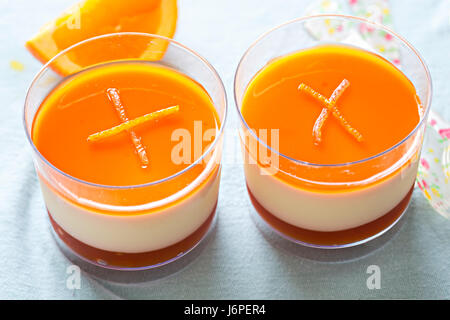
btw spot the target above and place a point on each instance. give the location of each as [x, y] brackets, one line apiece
[134, 233]
[329, 211]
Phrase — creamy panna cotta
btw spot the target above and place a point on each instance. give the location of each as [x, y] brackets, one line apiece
[124, 182]
[331, 154]
[136, 232]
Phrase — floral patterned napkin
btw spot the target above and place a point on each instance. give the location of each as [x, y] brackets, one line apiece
[433, 177]
[373, 10]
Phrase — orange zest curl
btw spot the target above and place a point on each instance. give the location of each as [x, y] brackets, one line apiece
[130, 124]
[330, 106]
[114, 97]
[317, 129]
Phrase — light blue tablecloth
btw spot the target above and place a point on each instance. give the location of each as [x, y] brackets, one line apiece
[238, 261]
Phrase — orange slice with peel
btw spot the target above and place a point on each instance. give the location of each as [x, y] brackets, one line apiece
[92, 18]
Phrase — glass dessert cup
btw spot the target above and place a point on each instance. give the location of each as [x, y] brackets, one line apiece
[329, 205]
[130, 227]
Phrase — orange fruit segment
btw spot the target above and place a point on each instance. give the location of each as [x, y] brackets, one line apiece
[92, 18]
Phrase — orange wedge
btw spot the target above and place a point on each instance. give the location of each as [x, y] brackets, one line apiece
[91, 18]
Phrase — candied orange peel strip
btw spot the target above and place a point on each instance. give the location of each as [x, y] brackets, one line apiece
[317, 129]
[130, 124]
[330, 105]
[114, 97]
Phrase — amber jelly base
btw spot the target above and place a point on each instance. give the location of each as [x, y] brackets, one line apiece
[133, 261]
[336, 239]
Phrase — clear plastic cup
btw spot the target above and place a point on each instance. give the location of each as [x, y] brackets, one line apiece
[288, 194]
[92, 220]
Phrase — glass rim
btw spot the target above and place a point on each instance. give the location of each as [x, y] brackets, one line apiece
[422, 121]
[210, 148]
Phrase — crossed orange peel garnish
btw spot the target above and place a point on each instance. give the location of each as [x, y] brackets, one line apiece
[128, 125]
[330, 106]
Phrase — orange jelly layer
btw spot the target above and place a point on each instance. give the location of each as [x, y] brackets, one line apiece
[79, 107]
[381, 103]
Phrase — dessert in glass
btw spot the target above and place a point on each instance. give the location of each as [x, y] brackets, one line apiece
[127, 147]
[331, 130]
